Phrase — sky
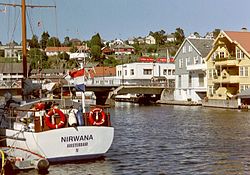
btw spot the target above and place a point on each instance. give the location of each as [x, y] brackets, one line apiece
[123, 18]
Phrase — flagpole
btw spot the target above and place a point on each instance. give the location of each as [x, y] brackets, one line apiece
[83, 102]
[83, 95]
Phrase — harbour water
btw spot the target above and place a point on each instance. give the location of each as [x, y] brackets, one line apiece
[167, 139]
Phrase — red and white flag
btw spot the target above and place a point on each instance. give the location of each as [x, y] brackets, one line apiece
[79, 78]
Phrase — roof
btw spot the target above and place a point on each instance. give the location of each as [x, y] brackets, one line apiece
[241, 37]
[57, 49]
[245, 93]
[12, 68]
[204, 46]
[48, 71]
[123, 46]
[105, 71]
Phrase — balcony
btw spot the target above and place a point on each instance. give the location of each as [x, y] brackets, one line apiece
[229, 61]
[196, 67]
[226, 79]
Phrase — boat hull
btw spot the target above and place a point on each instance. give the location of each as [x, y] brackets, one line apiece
[65, 144]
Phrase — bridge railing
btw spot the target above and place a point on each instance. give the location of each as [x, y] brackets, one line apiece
[8, 84]
[114, 81]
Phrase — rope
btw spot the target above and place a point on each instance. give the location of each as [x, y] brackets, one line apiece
[3, 161]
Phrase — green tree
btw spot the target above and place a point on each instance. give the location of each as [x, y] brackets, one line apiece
[67, 42]
[54, 42]
[160, 37]
[216, 32]
[152, 49]
[95, 52]
[44, 40]
[96, 40]
[197, 34]
[179, 36]
[63, 56]
[37, 58]
[95, 47]
[33, 43]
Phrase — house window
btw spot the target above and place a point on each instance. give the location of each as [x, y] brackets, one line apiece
[147, 71]
[239, 53]
[188, 61]
[190, 49]
[132, 72]
[184, 49]
[179, 81]
[210, 90]
[222, 55]
[181, 63]
[203, 60]
[201, 80]
[126, 72]
[210, 73]
[190, 81]
[196, 60]
[243, 71]
[173, 72]
[165, 71]
[243, 87]
[169, 71]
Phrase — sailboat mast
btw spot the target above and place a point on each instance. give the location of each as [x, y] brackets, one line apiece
[24, 39]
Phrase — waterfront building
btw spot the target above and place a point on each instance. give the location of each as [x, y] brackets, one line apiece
[123, 49]
[11, 51]
[150, 40]
[146, 73]
[190, 69]
[11, 75]
[228, 65]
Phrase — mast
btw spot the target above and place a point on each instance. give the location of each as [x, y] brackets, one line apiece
[24, 40]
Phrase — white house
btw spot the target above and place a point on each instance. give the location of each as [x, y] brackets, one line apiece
[150, 40]
[146, 73]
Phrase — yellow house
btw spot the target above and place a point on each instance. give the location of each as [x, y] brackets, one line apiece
[228, 65]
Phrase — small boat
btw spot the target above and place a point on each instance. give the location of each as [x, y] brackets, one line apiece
[56, 129]
[16, 159]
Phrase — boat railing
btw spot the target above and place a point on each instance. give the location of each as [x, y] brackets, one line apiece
[35, 120]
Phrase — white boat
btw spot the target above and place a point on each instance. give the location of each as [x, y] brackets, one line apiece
[77, 140]
[58, 130]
